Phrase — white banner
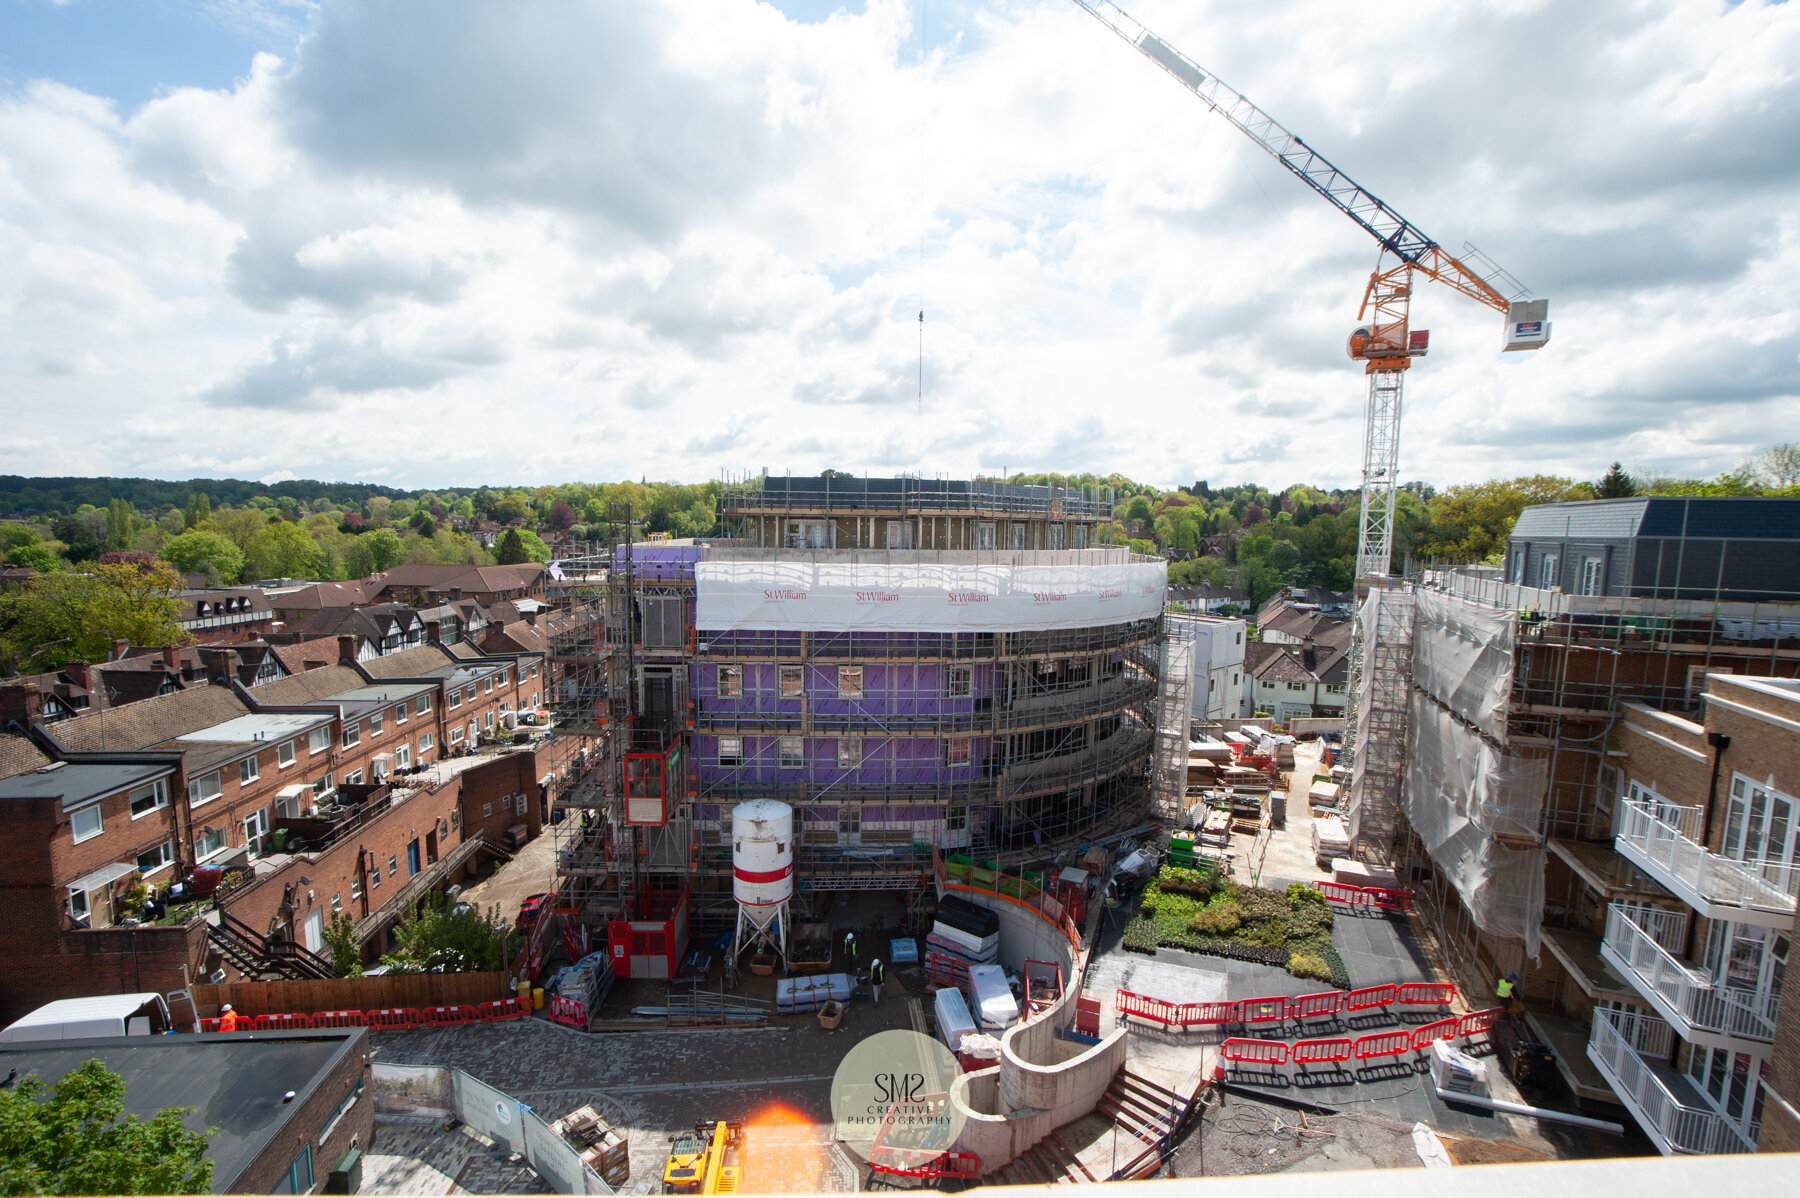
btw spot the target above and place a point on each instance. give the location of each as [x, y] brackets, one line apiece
[922, 597]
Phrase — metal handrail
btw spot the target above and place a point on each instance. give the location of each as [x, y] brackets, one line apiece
[1663, 837]
[1688, 992]
[1623, 1046]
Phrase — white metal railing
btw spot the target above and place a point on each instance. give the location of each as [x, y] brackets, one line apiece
[1623, 1047]
[1636, 943]
[1663, 840]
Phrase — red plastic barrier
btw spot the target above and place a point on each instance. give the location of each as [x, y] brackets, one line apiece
[1443, 1029]
[1207, 1014]
[394, 1017]
[209, 1025]
[1259, 1052]
[1371, 996]
[1151, 1010]
[1262, 1010]
[1087, 1015]
[1340, 892]
[340, 1019]
[1312, 1052]
[445, 1016]
[571, 1011]
[1476, 1022]
[1386, 898]
[280, 1023]
[1316, 1006]
[1184, 1015]
[1382, 1044]
[505, 1008]
[1427, 994]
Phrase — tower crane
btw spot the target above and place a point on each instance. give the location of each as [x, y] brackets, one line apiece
[1384, 342]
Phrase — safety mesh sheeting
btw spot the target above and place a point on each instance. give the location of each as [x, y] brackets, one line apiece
[1384, 681]
[1461, 793]
[1463, 656]
[1173, 713]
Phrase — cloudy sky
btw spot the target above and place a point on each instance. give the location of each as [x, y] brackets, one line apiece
[435, 242]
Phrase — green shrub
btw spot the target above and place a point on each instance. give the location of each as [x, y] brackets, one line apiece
[1306, 965]
[1221, 920]
[1200, 883]
[1260, 905]
[1299, 893]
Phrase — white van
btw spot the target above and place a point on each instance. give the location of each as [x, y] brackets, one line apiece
[92, 1018]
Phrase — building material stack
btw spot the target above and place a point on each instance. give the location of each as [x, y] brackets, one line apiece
[603, 1147]
[962, 936]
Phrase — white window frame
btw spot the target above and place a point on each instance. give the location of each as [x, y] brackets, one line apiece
[487, 685]
[1056, 536]
[956, 751]
[791, 752]
[159, 798]
[165, 858]
[455, 699]
[256, 830]
[426, 742]
[249, 770]
[352, 735]
[201, 852]
[423, 705]
[1549, 570]
[353, 778]
[197, 789]
[1593, 576]
[731, 751]
[959, 682]
[984, 534]
[284, 754]
[375, 724]
[400, 716]
[98, 829]
[899, 534]
[849, 752]
[318, 739]
[794, 676]
[456, 735]
[403, 757]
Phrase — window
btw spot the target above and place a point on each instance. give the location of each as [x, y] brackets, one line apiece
[318, 740]
[423, 705]
[456, 736]
[204, 789]
[1547, 571]
[956, 752]
[849, 752]
[501, 676]
[247, 771]
[337, 900]
[375, 873]
[352, 734]
[86, 823]
[793, 682]
[284, 754]
[78, 903]
[152, 797]
[353, 778]
[959, 682]
[299, 1176]
[469, 692]
[809, 534]
[487, 810]
[211, 841]
[425, 742]
[1296, 686]
[256, 826]
[1240, 636]
[1056, 536]
[849, 820]
[375, 724]
[321, 785]
[1517, 573]
[793, 752]
[731, 682]
[403, 757]
[1593, 576]
[487, 685]
[455, 700]
[400, 716]
[393, 864]
[850, 682]
[356, 886]
[731, 750]
[984, 535]
[1015, 536]
[1335, 688]
[956, 819]
[899, 535]
[534, 697]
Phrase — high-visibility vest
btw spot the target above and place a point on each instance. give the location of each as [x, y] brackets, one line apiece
[876, 972]
[1504, 989]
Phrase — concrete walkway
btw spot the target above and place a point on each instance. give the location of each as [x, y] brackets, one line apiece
[531, 871]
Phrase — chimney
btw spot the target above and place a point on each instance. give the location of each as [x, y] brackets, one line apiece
[24, 703]
[1309, 654]
[120, 647]
[434, 631]
[455, 594]
[346, 647]
[531, 618]
[81, 672]
[221, 664]
[172, 657]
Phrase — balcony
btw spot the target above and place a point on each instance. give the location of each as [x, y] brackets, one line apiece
[1664, 842]
[1698, 1009]
[1631, 1051]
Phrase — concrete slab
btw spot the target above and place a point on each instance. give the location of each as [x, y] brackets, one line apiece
[409, 1156]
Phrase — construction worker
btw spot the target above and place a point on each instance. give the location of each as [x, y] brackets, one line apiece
[1503, 990]
[877, 971]
[228, 1019]
[850, 951]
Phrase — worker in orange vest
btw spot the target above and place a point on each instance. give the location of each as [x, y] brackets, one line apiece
[228, 1019]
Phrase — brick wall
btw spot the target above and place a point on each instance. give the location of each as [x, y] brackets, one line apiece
[46, 961]
[1781, 1108]
[492, 794]
[302, 1128]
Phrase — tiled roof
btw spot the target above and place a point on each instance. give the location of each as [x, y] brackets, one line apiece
[310, 685]
[325, 594]
[409, 663]
[149, 721]
[307, 655]
[515, 637]
[19, 755]
[476, 579]
[464, 650]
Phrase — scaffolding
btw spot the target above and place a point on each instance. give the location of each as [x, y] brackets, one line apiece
[1382, 674]
[1174, 719]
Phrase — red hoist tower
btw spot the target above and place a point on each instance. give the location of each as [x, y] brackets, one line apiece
[1385, 343]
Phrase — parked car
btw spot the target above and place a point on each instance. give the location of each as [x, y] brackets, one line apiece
[530, 909]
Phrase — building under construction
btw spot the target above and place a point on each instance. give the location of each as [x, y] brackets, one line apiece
[911, 664]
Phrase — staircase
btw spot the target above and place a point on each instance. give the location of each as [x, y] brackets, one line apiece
[1150, 1114]
[260, 958]
[1048, 1162]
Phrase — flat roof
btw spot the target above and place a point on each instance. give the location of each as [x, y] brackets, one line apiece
[79, 782]
[234, 1081]
[258, 726]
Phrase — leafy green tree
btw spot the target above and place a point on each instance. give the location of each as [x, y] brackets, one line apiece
[344, 947]
[83, 537]
[385, 548]
[41, 558]
[1470, 522]
[520, 545]
[14, 536]
[202, 552]
[1138, 509]
[199, 507]
[436, 937]
[1615, 484]
[61, 617]
[77, 1140]
[121, 524]
[283, 550]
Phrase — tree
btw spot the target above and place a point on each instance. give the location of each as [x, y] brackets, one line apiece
[385, 548]
[79, 1141]
[562, 516]
[199, 551]
[1780, 464]
[61, 617]
[520, 545]
[34, 557]
[1138, 509]
[344, 947]
[436, 937]
[283, 550]
[1615, 484]
[82, 536]
[199, 507]
[428, 528]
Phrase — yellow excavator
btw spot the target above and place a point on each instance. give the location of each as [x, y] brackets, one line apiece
[697, 1162]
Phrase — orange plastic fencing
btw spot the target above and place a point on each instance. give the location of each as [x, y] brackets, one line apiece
[1427, 994]
[446, 1016]
[1182, 1015]
[1207, 1014]
[209, 1025]
[1443, 1029]
[1382, 1044]
[1256, 1052]
[571, 1011]
[1371, 996]
[1316, 1006]
[1262, 1010]
[505, 1008]
[1312, 1052]
[280, 1023]
[340, 1019]
[1151, 1010]
[1477, 1022]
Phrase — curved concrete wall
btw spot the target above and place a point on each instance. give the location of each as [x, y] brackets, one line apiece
[1042, 1081]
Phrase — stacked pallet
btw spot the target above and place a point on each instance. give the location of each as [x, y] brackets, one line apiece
[603, 1147]
[962, 936]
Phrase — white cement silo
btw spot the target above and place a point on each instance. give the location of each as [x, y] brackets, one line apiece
[762, 873]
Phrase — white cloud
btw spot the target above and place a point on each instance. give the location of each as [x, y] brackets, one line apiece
[457, 242]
